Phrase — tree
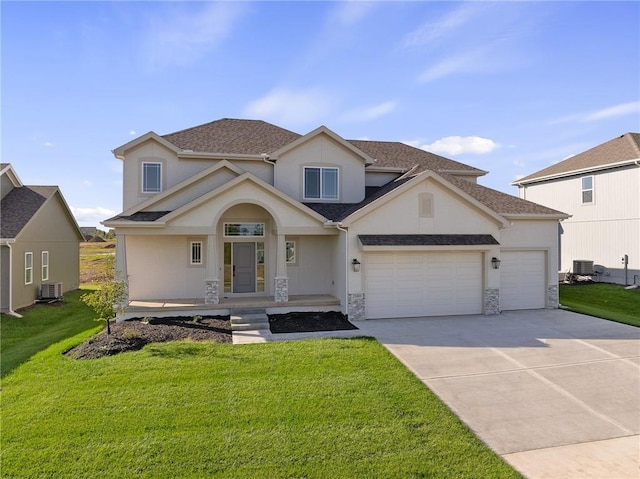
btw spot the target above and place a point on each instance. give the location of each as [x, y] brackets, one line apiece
[109, 300]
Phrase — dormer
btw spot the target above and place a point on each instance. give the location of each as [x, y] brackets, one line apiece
[321, 167]
[9, 179]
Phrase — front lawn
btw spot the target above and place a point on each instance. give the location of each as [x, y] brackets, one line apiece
[42, 326]
[317, 408]
[607, 301]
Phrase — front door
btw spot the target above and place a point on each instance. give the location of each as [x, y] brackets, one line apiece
[244, 267]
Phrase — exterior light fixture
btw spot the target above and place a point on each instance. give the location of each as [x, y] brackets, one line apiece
[495, 263]
[355, 264]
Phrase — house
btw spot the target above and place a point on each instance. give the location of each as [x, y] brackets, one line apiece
[39, 242]
[88, 232]
[599, 189]
[237, 209]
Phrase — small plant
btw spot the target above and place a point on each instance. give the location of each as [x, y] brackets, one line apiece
[197, 318]
[130, 333]
[108, 301]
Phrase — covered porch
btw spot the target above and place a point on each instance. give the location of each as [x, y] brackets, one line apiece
[161, 308]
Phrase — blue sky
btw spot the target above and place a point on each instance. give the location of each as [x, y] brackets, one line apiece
[509, 87]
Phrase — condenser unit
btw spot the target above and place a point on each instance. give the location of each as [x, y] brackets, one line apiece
[51, 290]
[583, 267]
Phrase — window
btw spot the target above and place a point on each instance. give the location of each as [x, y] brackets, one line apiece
[290, 252]
[425, 205]
[45, 265]
[320, 183]
[244, 229]
[196, 252]
[28, 268]
[151, 177]
[587, 189]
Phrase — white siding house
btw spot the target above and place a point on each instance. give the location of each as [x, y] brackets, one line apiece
[600, 189]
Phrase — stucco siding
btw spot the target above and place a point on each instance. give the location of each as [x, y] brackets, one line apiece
[313, 271]
[321, 151]
[379, 178]
[451, 214]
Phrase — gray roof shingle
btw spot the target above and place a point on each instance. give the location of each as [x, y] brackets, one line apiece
[623, 148]
[19, 206]
[426, 240]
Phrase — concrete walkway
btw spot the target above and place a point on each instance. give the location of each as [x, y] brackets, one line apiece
[556, 394]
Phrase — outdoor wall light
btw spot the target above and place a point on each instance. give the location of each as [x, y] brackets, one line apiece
[355, 264]
[495, 263]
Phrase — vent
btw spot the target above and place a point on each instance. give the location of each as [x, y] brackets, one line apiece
[51, 290]
[583, 267]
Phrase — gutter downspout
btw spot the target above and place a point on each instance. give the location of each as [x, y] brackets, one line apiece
[11, 311]
[339, 227]
[265, 158]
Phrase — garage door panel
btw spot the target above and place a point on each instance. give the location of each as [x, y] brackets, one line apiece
[424, 284]
[522, 280]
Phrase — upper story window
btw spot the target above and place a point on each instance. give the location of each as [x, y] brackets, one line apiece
[587, 189]
[244, 229]
[320, 183]
[28, 268]
[151, 177]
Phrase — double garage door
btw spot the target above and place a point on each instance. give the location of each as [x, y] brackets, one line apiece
[422, 284]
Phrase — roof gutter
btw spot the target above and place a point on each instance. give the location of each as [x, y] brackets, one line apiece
[580, 171]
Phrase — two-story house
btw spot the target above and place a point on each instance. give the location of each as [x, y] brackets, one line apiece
[599, 188]
[238, 209]
[39, 243]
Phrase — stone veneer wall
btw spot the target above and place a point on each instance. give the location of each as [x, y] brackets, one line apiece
[355, 307]
[281, 290]
[211, 294]
[492, 301]
[553, 299]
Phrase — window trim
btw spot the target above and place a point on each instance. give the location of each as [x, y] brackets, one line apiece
[295, 252]
[322, 195]
[28, 267]
[45, 266]
[142, 177]
[584, 190]
[199, 261]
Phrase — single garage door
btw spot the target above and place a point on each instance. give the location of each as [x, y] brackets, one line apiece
[522, 280]
[399, 285]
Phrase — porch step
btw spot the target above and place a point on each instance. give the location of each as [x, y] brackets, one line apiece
[251, 320]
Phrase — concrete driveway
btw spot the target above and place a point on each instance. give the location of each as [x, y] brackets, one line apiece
[556, 394]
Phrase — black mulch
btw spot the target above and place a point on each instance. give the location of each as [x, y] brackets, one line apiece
[309, 322]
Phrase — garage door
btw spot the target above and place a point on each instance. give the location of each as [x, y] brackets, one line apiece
[422, 284]
[522, 280]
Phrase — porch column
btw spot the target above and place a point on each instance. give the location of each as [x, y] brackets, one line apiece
[281, 286]
[211, 279]
[120, 273]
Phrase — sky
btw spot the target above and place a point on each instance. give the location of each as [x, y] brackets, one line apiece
[508, 87]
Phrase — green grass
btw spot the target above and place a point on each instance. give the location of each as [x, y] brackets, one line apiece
[607, 301]
[42, 326]
[324, 408]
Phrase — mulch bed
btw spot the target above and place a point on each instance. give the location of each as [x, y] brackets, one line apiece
[134, 334]
[309, 322]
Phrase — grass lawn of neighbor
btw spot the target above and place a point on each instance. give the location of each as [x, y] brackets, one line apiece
[330, 408]
[603, 300]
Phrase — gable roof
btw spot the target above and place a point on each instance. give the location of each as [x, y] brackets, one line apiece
[20, 205]
[255, 137]
[620, 150]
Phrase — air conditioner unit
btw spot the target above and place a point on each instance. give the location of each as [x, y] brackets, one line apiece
[583, 267]
[51, 290]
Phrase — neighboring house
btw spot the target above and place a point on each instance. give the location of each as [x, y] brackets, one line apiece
[599, 188]
[39, 242]
[88, 232]
[243, 208]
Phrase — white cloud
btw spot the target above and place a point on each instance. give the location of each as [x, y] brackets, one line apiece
[87, 183]
[474, 61]
[132, 132]
[291, 106]
[351, 12]
[371, 113]
[458, 145]
[450, 23]
[182, 36]
[48, 144]
[91, 216]
[622, 109]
